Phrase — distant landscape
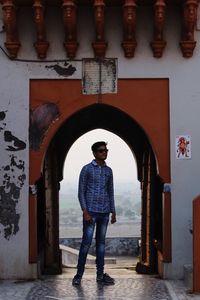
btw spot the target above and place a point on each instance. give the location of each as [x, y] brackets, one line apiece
[128, 209]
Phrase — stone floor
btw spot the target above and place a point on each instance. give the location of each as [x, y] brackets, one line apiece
[128, 288]
[129, 285]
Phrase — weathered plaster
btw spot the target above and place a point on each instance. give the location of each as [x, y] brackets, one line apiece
[2, 117]
[17, 143]
[12, 181]
[66, 71]
[184, 97]
[41, 119]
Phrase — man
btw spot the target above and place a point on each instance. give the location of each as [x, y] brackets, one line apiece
[96, 199]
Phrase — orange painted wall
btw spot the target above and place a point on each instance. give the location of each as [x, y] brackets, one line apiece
[145, 100]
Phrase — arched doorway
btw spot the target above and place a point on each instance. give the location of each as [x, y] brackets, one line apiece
[139, 114]
[114, 120]
[123, 238]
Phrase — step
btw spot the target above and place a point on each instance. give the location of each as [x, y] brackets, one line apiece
[70, 257]
[188, 276]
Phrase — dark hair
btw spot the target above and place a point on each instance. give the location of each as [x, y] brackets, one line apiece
[96, 145]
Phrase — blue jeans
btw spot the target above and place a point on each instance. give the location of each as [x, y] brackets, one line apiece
[101, 221]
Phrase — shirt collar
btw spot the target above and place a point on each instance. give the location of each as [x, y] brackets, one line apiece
[95, 163]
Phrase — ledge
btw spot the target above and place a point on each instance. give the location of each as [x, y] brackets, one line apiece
[70, 257]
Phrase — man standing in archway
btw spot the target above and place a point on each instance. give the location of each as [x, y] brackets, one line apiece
[96, 197]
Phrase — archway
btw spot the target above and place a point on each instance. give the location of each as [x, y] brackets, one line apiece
[139, 114]
[118, 122]
[122, 238]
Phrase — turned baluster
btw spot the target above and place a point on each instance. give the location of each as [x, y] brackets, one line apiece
[99, 45]
[41, 45]
[12, 43]
[158, 44]
[189, 20]
[129, 25]
[70, 23]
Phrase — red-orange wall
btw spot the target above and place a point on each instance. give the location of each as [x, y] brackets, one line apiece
[145, 100]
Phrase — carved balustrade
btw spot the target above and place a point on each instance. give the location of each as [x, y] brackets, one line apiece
[128, 22]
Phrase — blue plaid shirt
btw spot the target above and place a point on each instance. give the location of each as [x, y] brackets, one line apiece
[95, 191]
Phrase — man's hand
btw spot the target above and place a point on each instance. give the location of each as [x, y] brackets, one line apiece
[86, 216]
[113, 218]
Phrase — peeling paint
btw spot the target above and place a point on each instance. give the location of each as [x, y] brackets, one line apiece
[17, 143]
[7, 168]
[12, 181]
[63, 71]
[10, 195]
[14, 163]
[41, 119]
[2, 115]
[99, 76]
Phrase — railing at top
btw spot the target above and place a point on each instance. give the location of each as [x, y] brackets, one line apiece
[128, 22]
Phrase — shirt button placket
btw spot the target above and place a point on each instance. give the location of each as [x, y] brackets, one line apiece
[99, 187]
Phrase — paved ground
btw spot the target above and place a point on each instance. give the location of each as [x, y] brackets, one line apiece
[129, 285]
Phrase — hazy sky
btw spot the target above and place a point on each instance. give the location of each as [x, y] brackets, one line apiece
[120, 158]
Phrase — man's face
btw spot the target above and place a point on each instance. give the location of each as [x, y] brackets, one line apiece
[101, 153]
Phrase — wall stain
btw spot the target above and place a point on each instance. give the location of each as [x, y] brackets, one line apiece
[7, 168]
[2, 117]
[2, 128]
[12, 180]
[10, 195]
[17, 144]
[63, 71]
[99, 76]
[41, 119]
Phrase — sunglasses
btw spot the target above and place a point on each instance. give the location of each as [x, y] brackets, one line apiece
[102, 150]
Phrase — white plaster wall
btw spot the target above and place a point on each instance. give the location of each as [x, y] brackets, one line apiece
[184, 95]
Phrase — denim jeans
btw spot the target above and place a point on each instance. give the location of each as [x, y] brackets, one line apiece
[100, 220]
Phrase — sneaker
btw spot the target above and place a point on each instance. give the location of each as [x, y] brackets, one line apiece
[76, 280]
[105, 279]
